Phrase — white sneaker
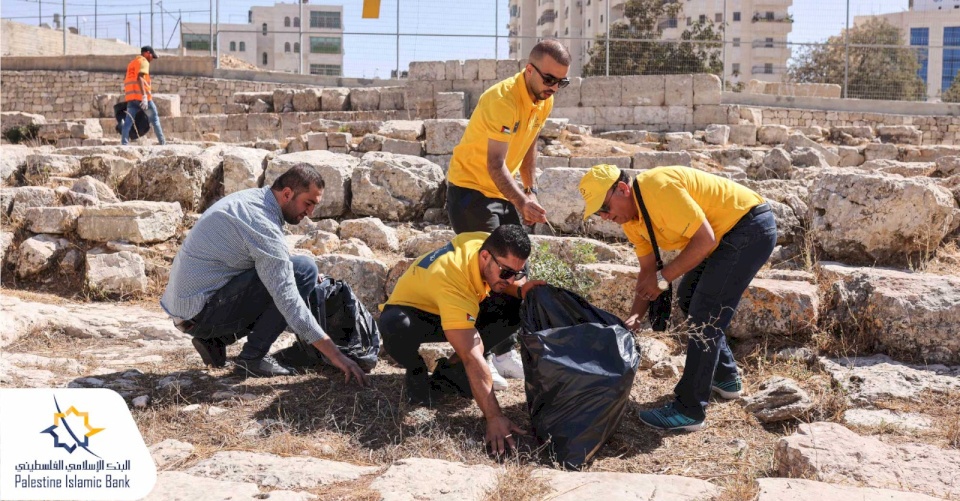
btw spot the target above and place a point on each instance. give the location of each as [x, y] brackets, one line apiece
[498, 382]
[509, 365]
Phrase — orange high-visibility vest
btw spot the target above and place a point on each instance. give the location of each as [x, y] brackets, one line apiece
[131, 87]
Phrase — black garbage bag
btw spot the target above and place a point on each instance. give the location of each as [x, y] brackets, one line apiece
[579, 362]
[347, 322]
[141, 123]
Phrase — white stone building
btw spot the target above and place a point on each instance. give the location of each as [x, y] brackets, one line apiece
[276, 38]
[933, 27]
[756, 30]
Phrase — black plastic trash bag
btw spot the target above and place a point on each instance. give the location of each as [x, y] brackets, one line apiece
[141, 124]
[347, 322]
[579, 362]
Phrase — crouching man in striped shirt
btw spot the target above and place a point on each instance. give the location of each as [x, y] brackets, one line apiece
[234, 277]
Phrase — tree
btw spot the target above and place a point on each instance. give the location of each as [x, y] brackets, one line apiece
[636, 47]
[952, 95]
[874, 73]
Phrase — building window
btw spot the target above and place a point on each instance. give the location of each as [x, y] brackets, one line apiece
[736, 41]
[320, 19]
[736, 16]
[703, 18]
[196, 41]
[249, 16]
[566, 12]
[296, 22]
[243, 46]
[286, 22]
[588, 23]
[601, 18]
[769, 15]
[951, 57]
[768, 43]
[233, 46]
[736, 69]
[264, 58]
[768, 68]
[921, 37]
[689, 21]
[286, 47]
[566, 31]
[718, 17]
[264, 28]
[332, 70]
[296, 47]
[325, 45]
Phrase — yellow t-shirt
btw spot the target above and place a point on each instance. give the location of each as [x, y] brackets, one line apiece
[678, 199]
[504, 113]
[446, 282]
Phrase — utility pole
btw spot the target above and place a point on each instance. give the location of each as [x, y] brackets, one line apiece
[151, 23]
[126, 21]
[95, 33]
[300, 40]
[218, 34]
[39, 13]
[140, 27]
[64, 27]
[162, 32]
[211, 30]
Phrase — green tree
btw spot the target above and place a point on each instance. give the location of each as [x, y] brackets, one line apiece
[636, 47]
[952, 95]
[874, 72]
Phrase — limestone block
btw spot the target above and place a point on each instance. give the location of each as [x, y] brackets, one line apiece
[56, 220]
[443, 135]
[487, 69]
[576, 115]
[282, 100]
[544, 162]
[878, 151]
[614, 115]
[306, 99]
[402, 147]
[649, 159]
[89, 128]
[717, 134]
[371, 231]
[706, 89]
[367, 277]
[753, 116]
[587, 162]
[795, 141]
[773, 134]
[21, 199]
[796, 489]
[168, 105]
[745, 135]
[849, 156]
[396, 187]
[242, 168]
[334, 168]
[883, 219]
[905, 169]
[121, 273]
[133, 221]
[177, 174]
[900, 134]
[777, 308]
[553, 127]
[600, 91]
[650, 115]
[391, 98]
[427, 70]
[335, 99]
[705, 114]
[422, 478]
[614, 292]
[643, 90]
[38, 253]
[569, 96]
[678, 90]
[40, 167]
[470, 70]
[450, 105]
[778, 399]
[365, 98]
[263, 123]
[317, 141]
[339, 139]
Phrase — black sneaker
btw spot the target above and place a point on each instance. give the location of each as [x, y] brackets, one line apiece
[451, 379]
[417, 386]
[262, 367]
[213, 352]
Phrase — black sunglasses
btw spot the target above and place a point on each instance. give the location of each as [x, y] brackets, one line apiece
[506, 273]
[550, 80]
[605, 207]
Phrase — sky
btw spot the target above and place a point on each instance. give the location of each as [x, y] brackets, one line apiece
[429, 29]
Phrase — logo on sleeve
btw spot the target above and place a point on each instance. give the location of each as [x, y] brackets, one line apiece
[471, 318]
[516, 125]
[505, 130]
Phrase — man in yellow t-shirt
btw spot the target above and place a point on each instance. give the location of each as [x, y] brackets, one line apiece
[725, 233]
[438, 299]
[500, 140]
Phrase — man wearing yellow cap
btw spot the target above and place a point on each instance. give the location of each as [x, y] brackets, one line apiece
[725, 233]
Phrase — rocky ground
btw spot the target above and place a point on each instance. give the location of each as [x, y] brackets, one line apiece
[851, 370]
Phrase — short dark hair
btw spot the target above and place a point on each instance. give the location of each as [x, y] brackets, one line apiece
[553, 48]
[508, 239]
[299, 178]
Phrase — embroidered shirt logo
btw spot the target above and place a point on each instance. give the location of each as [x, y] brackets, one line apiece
[505, 129]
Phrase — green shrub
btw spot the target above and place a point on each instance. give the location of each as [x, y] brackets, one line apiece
[546, 265]
[19, 134]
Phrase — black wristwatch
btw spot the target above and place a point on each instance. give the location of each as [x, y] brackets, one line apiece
[532, 189]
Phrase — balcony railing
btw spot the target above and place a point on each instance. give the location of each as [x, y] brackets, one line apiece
[762, 69]
[547, 17]
[768, 44]
[771, 17]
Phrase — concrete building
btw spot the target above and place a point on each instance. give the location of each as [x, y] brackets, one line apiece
[933, 26]
[756, 30]
[275, 38]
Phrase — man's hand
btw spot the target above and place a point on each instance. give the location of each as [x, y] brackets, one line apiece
[529, 284]
[499, 436]
[633, 322]
[143, 104]
[647, 287]
[531, 211]
[350, 368]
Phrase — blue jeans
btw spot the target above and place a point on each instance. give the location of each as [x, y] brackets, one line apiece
[244, 307]
[132, 108]
[708, 295]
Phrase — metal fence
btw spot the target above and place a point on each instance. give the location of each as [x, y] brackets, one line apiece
[868, 49]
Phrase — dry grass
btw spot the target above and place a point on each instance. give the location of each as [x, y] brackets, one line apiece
[517, 482]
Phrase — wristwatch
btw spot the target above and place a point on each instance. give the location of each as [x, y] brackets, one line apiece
[662, 283]
[532, 189]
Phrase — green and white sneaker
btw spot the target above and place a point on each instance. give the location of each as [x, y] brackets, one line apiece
[668, 418]
[728, 389]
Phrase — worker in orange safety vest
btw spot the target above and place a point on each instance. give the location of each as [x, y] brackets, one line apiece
[137, 90]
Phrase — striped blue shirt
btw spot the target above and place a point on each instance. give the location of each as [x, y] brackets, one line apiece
[242, 231]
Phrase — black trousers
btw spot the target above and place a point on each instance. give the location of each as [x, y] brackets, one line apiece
[405, 328]
[470, 210]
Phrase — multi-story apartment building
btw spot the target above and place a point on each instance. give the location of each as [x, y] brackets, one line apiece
[275, 38]
[933, 27]
[755, 30]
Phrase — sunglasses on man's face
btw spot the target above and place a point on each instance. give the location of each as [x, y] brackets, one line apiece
[550, 80]
[605, 207]
[506, 273]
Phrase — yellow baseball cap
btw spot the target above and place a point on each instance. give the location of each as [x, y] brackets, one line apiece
[594, 186]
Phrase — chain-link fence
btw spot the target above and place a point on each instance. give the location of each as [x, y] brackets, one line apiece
[867, 49]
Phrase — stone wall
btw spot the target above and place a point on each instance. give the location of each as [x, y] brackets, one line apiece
[935, 129]
[71, 95]
[20, 39]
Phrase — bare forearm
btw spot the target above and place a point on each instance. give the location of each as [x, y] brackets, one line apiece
[481, 384]
[505, 183]
[528, 169]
